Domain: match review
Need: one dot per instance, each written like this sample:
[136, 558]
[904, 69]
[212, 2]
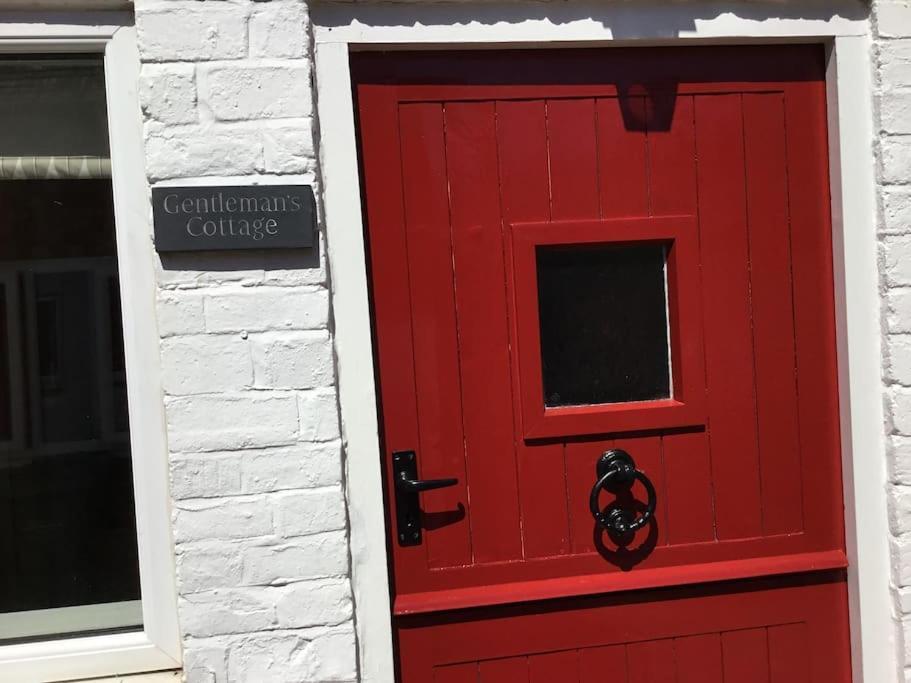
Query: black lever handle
[407, 485]
[407, 502]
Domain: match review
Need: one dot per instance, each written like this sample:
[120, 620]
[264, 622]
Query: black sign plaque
[237, 217]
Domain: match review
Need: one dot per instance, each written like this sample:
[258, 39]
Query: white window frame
[843, 28]
[157, 645]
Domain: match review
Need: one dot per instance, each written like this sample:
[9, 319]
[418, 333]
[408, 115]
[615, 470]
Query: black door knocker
[617, 469]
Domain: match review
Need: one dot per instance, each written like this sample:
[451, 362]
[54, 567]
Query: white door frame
[843, 27]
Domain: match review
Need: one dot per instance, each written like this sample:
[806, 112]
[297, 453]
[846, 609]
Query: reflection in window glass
[67, 520]
[603, 315]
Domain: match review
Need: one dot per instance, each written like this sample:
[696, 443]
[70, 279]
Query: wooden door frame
[844, 30]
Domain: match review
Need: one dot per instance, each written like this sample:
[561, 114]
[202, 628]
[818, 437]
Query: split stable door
[604, 325]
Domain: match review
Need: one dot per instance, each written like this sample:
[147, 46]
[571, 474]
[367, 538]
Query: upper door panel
[503, 201]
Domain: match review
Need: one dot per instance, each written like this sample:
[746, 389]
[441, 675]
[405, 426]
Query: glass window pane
[67, 519]
[603, 315]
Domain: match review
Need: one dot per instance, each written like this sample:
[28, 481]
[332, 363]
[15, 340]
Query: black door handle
[407, 503]
[407, 485]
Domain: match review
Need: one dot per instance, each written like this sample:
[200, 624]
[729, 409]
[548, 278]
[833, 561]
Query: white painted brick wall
[256, 459]
[892, 81]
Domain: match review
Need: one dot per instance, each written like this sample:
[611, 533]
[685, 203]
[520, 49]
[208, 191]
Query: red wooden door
[583, 250]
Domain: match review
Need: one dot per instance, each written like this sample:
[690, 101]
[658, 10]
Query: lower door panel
[790, 630]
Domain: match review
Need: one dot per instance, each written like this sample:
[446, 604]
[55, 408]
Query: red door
[603, 304]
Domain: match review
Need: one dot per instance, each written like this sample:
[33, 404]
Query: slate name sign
[244, 217]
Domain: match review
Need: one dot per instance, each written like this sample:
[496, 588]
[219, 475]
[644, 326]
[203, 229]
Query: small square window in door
[602, 313]
[608, 326]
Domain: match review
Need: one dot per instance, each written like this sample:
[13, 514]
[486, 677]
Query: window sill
[173, 676]
[81, 658]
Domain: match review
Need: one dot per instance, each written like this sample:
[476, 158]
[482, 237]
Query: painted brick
[228, 610]
[310, 557]
[895, 111]
[222, 421]
[896, 159]
[898, 309]
[896, 208]
[309, 512]
[279, 29]
[266, 657]
[304, 465]
[293, 360]
[205, 364]
[898, 359]
[901, 560]
[180, 313]
[266, 308]
[289, 149]
[205, 662]
[331, 656]
[900, 509]
[168, 92]
[206, 476]
[222, 519]
[893, 19]
[202, 150]
[314, 603]
[319, 415]
[208, 565]
[183, 30]
[894, 61]
[899, 456]
[897, 259]
[258, 510]
[240, 92]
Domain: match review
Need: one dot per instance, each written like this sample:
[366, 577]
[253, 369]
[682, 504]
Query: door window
[603, 322]
[601, 308]
[67, 519]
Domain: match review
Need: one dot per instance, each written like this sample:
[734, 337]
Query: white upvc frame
[843, 27]
[157, 645]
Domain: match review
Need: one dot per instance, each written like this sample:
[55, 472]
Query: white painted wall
[892, 81]
[248, 372]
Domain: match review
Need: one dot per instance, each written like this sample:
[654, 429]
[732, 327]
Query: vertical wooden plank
[502, 670]
[436, 354]
[598, 663]
[391, 297]
[814, 309]
[622, 159]
[746, 656]
[651, 662]
[554, 666]
[524, 196]
[456, 673]
[483, 329]
[788, 654]
[672, 164]
[698, 659]
[773, 312]
[688, 472]
[572, 150]
[574, 185]
[726, 311]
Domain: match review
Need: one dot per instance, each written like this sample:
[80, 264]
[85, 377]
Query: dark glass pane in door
[603, 316]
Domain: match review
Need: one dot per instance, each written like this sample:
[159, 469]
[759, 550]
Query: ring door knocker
[616, 468]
